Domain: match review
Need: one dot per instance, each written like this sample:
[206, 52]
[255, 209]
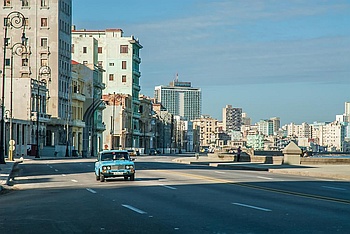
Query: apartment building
[42, 68]
[232, 118]
[180, 99]
[207, 127]
[119, 57]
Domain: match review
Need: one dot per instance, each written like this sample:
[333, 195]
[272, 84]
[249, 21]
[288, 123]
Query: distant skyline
[287, 59]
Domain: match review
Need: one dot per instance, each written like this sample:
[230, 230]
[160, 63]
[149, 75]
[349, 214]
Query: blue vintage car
[114, 163]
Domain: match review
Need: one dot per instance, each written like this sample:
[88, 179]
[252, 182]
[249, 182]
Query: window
[85, 62]
[123, 49]
[25, 62]
[43, 62]
[43, 22]
[7, 62]
[84, 50]
[123, 64]
[100, 63]
[99, 50]
[111, 64]
[43, 3]
[111, 77]
[7, 2]
[43, 42]
[25, 3]
[72, 49]
[123, 78]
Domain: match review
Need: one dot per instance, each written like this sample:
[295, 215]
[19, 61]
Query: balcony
[99, 85]
[44, 50]
[100, 127]
[102, 106]
[136, 73]
[78, 96]
[136, 58]
[78, 123]
[43, 117]
[25, 70]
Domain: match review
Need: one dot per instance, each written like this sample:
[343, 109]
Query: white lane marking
[166, 186]
[249, 206]
[220, 172]
[56, 170]
[336, 188]
[134, 209]
[63, 175]
[89, 165]
[75, 181]
[266, 178]
[91, 190]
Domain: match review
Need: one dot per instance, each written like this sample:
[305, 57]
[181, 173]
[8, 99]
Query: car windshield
[114, 156]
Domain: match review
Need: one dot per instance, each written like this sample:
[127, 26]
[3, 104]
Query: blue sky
[287, 59]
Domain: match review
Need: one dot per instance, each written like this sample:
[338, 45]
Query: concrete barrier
[325, 161]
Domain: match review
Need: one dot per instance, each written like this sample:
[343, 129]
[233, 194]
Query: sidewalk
[339, 172]
[6, 169]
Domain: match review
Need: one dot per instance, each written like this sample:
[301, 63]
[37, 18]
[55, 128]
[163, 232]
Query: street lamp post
[15, 20]
[18, 49]
[43, 79]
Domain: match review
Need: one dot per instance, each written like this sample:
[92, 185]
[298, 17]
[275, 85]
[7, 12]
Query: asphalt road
[62, 196]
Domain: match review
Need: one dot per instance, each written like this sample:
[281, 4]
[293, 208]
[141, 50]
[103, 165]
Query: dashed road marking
[75, 181]
[335, 188]
[249, 206]
[166, 186]
[91, 190]
[134, 209]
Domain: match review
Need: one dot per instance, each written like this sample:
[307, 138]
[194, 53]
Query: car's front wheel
[102, 177]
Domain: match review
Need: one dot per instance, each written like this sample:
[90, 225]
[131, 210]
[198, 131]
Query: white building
[333, 136]
[180, 98]
[119, 57]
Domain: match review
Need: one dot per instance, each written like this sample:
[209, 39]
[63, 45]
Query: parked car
[153, 152]
[133, 152]
[114, 163]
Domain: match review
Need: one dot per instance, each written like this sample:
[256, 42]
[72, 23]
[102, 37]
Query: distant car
[153, 152]
[133, 152]
[114, 163]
